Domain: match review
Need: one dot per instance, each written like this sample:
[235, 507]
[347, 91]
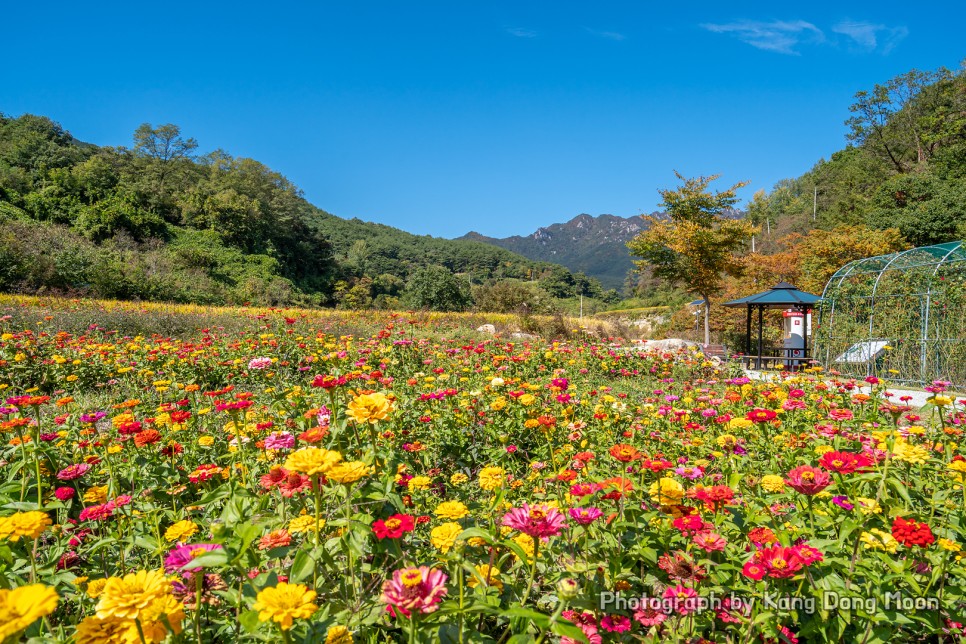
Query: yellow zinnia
[491, 574]
[284, 603]
[181, 531]
[451, 510]
[370, 408]
[443, 537]
[304, 523]
[348, 472]
[491, 478]
[772, 483]
[131, 597]
[21, 607]
[666, 491]
[338, 635]
[312, 460]
[27, 525]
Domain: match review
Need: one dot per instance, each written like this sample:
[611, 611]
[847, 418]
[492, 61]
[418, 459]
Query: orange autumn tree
[696, 245]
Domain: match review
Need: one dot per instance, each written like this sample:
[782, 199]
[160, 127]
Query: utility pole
[752, 243]
[581, 306]
[814, 202]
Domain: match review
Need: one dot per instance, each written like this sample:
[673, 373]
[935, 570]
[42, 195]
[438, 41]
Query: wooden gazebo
[781, 296]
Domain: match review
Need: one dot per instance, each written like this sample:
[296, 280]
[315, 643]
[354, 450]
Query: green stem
[533, 571]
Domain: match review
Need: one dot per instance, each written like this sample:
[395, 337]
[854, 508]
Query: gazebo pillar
[748, 334]
[761, 324]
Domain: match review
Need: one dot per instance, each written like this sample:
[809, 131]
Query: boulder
[670, 344]
[486, 328]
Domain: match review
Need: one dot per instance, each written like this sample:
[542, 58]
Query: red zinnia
[780, 562]
[912, 533]
[761, 415]
[715, 497]
[394, 527]
[844, 462]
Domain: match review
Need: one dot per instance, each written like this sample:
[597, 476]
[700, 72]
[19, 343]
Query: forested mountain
[900, 181]
[904, 166]
[596, 246]
[159, 221]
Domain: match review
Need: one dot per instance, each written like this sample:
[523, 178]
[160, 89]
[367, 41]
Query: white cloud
[609, 35]
[870, 37]
[779, 36]
[520, 32]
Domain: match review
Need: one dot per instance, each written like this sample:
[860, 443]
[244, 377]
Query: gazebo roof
[781, 295]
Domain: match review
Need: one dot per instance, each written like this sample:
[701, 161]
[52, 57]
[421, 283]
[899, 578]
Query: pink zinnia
[808, 480]
[649, 616]
[64, 493]
[97, 512]
[415, 589]
[584, 489]
[584, 516]
[180, 556]
[537, 521]
[279, 440]
[73, 472]
[710, 541]
[685, 599]
[841, 414]
[259, 363]
[616, 623]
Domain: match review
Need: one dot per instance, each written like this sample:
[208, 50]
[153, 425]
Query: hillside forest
[161, 221]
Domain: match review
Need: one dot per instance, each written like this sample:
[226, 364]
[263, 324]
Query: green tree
[695, 246]
[435, 288]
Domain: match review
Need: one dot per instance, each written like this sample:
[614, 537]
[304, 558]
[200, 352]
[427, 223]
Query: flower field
[280, 480]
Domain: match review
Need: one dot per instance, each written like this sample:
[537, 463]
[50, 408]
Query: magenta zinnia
[415, 589]
[537, 520]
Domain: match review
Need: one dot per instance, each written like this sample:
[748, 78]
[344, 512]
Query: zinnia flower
[132, 596]
[338, 634]
[181, 556]
[181, 531]
[73, 472]
[808, 480]
[279, 440]
[394, 527]
[666, 491]
[370, 408]
[24, 525]
[491, 478]
[22, 606]
[443, 537]
[451, 510]
[537, 521]
[912, 533]
[347, 473]
[844, 462]
[312, 460]
[780, 562]
[415, 589]
[284, 603]
[585, 516]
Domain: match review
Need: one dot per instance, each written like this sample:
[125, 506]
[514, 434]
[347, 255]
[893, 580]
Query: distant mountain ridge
[595, 246]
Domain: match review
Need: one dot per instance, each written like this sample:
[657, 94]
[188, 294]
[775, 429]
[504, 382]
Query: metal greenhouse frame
[900, 316]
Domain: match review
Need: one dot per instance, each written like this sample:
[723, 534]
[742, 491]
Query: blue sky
[495, 116]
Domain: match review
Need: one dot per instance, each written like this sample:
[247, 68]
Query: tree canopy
[695, 245]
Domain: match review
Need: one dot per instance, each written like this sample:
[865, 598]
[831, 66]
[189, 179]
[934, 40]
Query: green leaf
[211, 559]
[302, 567]
[249, 621]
